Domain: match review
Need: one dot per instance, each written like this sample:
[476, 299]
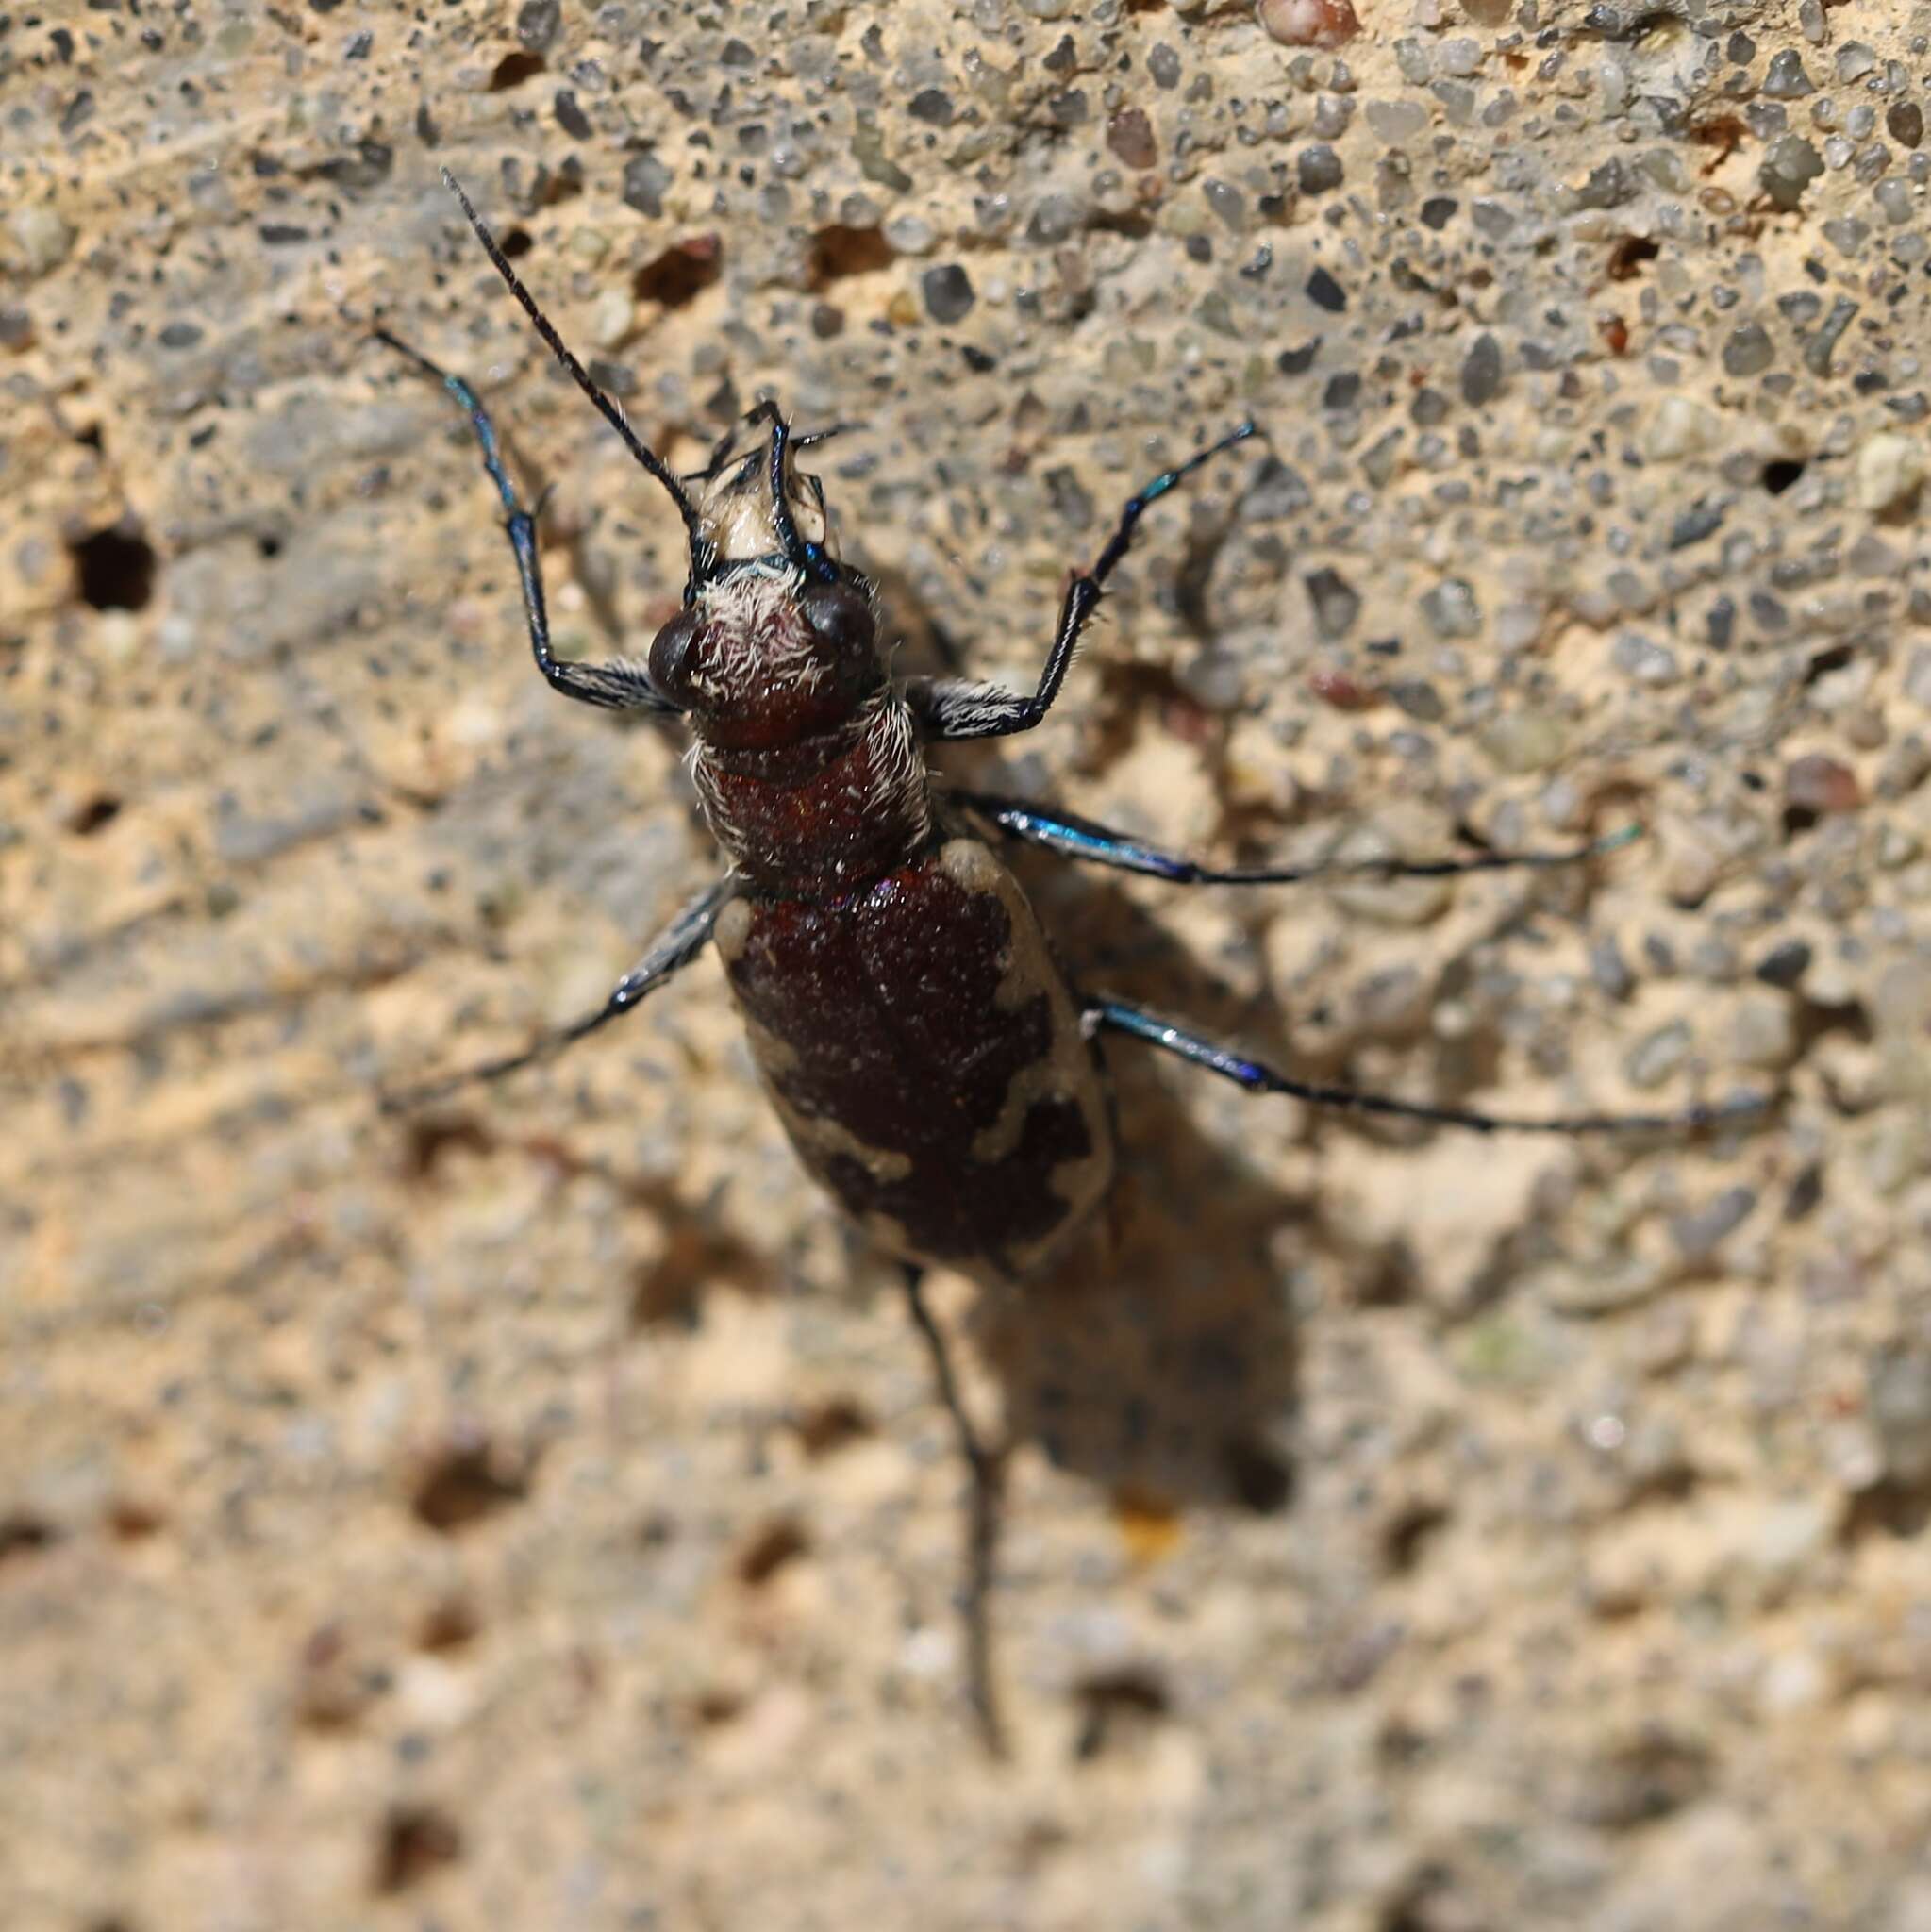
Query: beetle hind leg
[985, 1466]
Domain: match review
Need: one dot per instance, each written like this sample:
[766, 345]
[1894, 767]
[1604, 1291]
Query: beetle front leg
[681, 944]
[955, 708]
[617, 686]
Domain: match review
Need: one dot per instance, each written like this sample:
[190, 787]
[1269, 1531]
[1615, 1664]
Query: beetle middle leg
[1071, 837]
[952, 707]
[685, 938]
[1257, 1077]
[617, 686]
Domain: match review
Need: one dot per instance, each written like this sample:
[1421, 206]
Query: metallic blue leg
[1073, 837]
[950, 707]
[1257, 1077]
[617, 687]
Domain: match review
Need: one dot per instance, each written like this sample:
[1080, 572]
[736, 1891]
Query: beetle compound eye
[840, 615]
[674, 659]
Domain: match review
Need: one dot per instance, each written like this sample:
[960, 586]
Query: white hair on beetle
[898, 787]
[755, 627]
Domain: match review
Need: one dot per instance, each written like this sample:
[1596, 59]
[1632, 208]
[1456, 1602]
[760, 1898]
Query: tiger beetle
[935, 1069]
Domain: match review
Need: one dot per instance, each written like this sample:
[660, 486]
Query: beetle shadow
[1159, 1359]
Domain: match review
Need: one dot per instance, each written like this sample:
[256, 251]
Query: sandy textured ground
[537, 1515]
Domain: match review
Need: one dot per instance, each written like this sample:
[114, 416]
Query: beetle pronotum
[932, 1065]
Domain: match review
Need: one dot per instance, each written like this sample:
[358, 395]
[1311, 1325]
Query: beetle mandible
[931, 1064]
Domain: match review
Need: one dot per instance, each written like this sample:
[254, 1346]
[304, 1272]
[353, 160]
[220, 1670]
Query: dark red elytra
[915, 1036]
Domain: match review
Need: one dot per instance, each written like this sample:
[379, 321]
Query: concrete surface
[538, 1515]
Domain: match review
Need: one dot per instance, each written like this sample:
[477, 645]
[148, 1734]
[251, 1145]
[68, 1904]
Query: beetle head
[777, 640]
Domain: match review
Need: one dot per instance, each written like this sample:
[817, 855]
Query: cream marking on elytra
[820, 1138]
[732, 931]
[888, 1231]
[774, 1054]
[1065, 1073]
[1037, 1082]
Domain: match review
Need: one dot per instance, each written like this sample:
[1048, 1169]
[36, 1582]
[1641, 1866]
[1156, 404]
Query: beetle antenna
[615, 417]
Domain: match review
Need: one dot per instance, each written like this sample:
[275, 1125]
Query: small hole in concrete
[114, 567]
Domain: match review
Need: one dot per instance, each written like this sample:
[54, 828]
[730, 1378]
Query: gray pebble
[1898, 1402]
[646, 179]
[1395, 121]
[1452, 611]
[1420, 700]
[1819, 349]
[1481, 370]
[1694, 525]
[1698, 1232]
[1608, 968]
[1607, 185]
[1748, 350]
[536, 23]
[1319, 169]
[1905, 766]
[1337, 603]
[948, 292]
[1785, 964]
[1215, 679]
[1763, 1031]
[1227, 202]
[1057, 217]
[1658, 1056]
[1277, 492]
[1790, 167]
[1787, 80]
[1524, 739]
[1918, 677]
[1333, 116]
